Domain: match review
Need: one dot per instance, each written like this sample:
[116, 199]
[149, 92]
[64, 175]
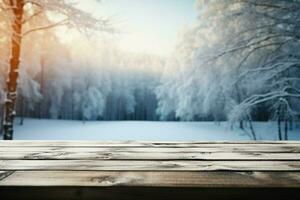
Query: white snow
[35, 129]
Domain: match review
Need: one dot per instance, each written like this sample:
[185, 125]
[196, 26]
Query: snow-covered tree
[239, 57]
[20, 12]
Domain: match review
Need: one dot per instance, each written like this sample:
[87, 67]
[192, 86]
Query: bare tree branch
[60, 23]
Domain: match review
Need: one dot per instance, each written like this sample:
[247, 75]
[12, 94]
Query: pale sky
[149, 26]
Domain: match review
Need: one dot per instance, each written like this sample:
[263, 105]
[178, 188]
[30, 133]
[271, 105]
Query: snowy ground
[35, 129]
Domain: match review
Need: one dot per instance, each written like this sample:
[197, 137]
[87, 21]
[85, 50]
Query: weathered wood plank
[151, 179]
[133, 165]
[63, 153]
[149, 170]
[218, 148]
[171, 144]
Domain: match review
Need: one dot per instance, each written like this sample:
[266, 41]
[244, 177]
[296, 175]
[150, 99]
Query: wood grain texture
[142, 164]
[151, 179]
[88, 153]
[149, 165]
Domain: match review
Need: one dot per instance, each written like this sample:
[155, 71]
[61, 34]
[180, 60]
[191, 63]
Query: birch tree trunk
[11, 85]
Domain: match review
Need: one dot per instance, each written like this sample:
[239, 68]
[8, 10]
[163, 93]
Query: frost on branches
[240, 62]
[18, 14]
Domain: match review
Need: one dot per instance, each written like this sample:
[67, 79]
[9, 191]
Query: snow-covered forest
[238, 62]
[70, 84]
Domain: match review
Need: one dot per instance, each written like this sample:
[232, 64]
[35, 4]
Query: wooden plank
[219, 148]
[133, 165]
[171, 144]
[151, 179]
[63, 153]
[149, 170]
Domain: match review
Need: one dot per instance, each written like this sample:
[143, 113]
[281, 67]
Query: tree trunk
[11, 90]
[22, 110]
[286, 129]
[279, 128]
[239, 99]
[241, 125]
[1, 121]
[251, 127]
[291, 125]
[72, 100]
[42, 85]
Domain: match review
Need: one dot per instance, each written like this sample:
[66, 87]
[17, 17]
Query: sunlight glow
[143, 25]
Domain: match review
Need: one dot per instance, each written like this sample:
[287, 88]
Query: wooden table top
[263, 164]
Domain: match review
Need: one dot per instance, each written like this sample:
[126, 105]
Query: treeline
[84, 84]
[127, 98]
